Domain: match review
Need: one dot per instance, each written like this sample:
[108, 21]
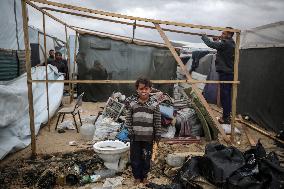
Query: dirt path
[52, 148]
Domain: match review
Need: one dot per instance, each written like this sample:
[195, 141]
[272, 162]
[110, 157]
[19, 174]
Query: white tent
[11, 30]
[270, 35]
[14, 107]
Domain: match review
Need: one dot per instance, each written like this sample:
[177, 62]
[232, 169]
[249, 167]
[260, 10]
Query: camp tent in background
[12, 54]
[101, 58]
[261, 92]
[12, 49]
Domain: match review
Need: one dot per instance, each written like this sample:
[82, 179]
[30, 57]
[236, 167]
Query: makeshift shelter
[261, 75]
[102, 58]
[118, 18]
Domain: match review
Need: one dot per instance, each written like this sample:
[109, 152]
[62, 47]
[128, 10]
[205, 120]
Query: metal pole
[235, 87]
[46, 74]
[29, 76]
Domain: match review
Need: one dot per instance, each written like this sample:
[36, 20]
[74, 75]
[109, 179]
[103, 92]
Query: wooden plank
[74, 65]
[122, 38]
[260, 130]
[205, 127]
[128, 81]
[235, 87]
[105, 13]
[250, 139]
[185, 154]
[29, 75]
[48, 14]
[46, 74]
[120, 22]
[67, 51]
[199, 95]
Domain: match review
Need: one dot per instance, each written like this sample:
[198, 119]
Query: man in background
[51, 56]
[60, 63]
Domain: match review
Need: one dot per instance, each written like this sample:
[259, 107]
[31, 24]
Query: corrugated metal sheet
[8, 65]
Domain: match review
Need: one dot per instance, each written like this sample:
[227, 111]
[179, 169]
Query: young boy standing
[143, 121]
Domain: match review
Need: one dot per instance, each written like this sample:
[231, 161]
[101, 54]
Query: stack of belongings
[187, 122]
[110, 122]
[167, 113]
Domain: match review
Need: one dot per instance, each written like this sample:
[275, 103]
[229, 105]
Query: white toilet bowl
[114, 153]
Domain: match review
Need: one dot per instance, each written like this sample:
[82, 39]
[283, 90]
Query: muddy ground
[56, 158]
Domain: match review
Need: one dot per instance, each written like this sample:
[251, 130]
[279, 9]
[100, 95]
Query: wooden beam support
[74, 65]
[250, 139]
[29, 75]
[235, 87]
[104, 13]
[46, 73]
[199, 95]
[48, 14]
[120, 22]
[127, 81]
[121, 38]
[67, 51]
[265, 133]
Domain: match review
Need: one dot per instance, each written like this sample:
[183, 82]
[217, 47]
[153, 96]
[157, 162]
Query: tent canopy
[270, 35]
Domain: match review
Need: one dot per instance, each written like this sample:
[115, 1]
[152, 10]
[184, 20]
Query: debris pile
[46, 171]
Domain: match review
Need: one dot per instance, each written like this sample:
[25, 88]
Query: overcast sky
[241, 14]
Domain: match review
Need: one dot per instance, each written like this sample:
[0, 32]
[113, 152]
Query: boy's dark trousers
[140, 157]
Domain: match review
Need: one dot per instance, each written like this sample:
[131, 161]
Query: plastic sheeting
[11, 30]
[261, 92]
[270, 35]
[104, 58]
[14, 109]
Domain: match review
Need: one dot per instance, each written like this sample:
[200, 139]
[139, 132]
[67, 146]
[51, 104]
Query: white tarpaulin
[270, 35]
[14, 109]
[11, 30]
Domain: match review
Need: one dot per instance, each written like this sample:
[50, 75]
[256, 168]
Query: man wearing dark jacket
[61, 64]
[225, 47]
